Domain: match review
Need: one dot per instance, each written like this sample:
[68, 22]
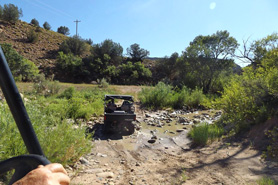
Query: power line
[77, 21]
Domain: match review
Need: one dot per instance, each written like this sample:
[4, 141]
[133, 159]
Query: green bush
[103, 83]
[246, 100]
[67, 93]
[134, 73]
[74, 45]
[266, 181]
[202, 133]
[46, 26]
[252, 97]
[39, 85]
[46, 87]
[21, 68]
[70, 64]
[181, 98]
[196, 98]
[162, 96]
[61, 143]
[11, 13]
[32, 36]
[35, 22]
[63, 30]
[79, 104]
[156, 97]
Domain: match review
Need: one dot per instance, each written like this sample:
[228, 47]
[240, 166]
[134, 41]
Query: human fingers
[56, 167]
[61, 178]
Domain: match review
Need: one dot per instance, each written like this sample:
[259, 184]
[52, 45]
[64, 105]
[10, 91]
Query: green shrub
[162, 96]
[74, 45]
[67, 93]
[156, 97]
[196, 98]
[61, 143]
[46, 87]
[70, 64]
[35, 22]
[46, 26]
[32, 36]
[181, 98]
[21, 68]
[79, 104]
[39, 85]
[202, 133]
[63, 30]
[266, 181]
[65, 144]
[246, 100]
[11, 13]
[103, 83]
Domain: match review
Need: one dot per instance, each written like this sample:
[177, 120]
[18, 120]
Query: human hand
[51, 174]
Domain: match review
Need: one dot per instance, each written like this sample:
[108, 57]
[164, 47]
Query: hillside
[42, 52]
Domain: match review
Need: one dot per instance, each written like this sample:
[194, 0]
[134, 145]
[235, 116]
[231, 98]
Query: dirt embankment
[169, 160]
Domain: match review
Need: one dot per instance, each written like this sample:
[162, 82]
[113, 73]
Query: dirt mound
[258, 136]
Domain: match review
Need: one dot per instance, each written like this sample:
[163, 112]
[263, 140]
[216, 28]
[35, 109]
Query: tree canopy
[10, 13]
[35, 22]
[216, 46]
[136, 53]
[46, 26]
[63, 30]
[112, 49]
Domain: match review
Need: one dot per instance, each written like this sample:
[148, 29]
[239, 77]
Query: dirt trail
[169, 160]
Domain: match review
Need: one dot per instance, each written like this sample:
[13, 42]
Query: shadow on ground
[99, 133]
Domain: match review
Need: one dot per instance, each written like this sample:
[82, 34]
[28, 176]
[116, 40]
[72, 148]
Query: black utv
[119, 114]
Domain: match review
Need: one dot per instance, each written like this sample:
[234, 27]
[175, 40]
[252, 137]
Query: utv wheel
[128, 128]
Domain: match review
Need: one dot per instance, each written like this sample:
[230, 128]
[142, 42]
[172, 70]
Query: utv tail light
[104, 118]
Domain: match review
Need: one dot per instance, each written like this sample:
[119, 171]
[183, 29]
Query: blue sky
[160, 26]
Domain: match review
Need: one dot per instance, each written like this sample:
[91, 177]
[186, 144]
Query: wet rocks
[167, 118]
[151, 141]
[179, 130]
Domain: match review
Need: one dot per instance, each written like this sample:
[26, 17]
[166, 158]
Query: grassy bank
[56, 119]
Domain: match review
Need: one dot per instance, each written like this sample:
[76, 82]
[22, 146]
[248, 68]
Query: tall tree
[255, 52]
[11, 13]
[112, 49]
[208, 56]
[136, 53]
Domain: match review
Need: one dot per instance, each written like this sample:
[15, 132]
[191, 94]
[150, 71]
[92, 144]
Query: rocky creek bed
[159, 153]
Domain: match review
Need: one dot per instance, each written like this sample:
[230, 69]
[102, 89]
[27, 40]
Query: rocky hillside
[42, 53]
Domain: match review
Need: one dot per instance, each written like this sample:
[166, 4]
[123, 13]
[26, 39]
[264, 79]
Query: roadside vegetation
[204, 133]
[166, 96]
[58, 119]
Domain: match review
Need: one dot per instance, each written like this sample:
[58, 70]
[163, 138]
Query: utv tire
[128, 128]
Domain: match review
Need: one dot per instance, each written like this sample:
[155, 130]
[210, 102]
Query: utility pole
[77, 21]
